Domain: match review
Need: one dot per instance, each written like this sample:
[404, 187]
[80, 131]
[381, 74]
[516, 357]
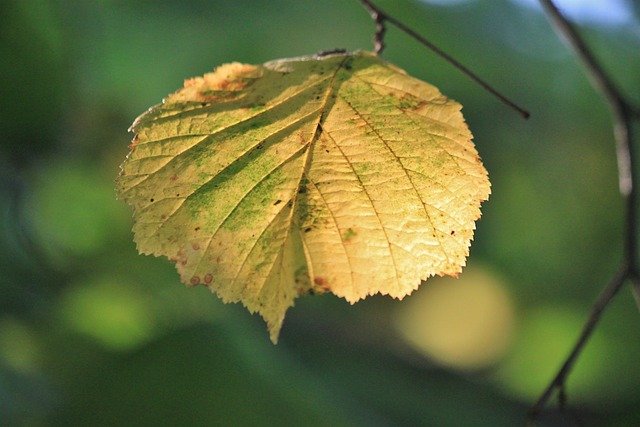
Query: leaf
[337, 173]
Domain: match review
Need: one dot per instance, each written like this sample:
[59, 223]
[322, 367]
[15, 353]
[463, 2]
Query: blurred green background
[91, 333]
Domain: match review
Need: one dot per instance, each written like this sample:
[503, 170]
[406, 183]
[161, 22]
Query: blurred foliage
[91, 333]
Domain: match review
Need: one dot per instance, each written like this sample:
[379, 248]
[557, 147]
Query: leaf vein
[399, 161]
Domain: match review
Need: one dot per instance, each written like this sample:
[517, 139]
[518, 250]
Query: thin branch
[636, 290]
[622, 115]
[380, 17]
[621, 109]
[558, 381]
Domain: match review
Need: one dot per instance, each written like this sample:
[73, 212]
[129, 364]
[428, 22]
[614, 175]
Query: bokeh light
[116, 314]
[19, 348]
[72, 209]
[465, 323]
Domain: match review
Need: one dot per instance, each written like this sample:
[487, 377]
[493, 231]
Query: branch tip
[380, 18]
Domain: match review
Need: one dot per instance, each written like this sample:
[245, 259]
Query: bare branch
[558, 381]
[380, 17]
[622, 114]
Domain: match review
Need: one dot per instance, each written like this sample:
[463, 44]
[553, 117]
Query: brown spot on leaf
[321, 284]
[224, 83]
[174, 177]
[195, 246]
[195, 280]
[408, 101]
[180, 257]
[134, 142]
[208, 278]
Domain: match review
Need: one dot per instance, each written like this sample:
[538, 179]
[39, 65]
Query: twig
[622, 114]
[380, 17]
[558, 381]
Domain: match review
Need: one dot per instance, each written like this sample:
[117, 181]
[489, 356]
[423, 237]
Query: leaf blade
[338, 174]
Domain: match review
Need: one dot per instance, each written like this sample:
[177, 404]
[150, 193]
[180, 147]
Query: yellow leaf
[339, 173]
